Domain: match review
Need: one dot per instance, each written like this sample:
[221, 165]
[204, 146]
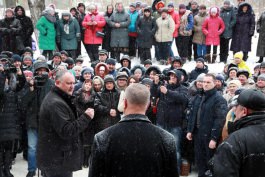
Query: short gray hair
[60, 74]
[137, 94]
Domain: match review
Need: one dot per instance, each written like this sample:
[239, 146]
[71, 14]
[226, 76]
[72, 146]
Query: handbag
[100, 34]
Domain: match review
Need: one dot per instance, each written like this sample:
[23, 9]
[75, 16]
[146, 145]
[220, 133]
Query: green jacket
[47, 34]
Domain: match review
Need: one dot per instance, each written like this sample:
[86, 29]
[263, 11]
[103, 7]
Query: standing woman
[107, 29]
[93, 24]
[261, 42]
[244, 30]
[47, 34]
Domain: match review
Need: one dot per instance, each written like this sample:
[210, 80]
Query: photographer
[37, 89]
[11, 81]
[172, 102]
[10, 28]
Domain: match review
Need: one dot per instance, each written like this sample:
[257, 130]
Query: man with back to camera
[243, 152]
[59, 144]
[134, 147]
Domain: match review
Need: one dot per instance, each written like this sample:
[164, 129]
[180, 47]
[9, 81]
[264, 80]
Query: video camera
[40, 80]
[9, 68]
[163, 79]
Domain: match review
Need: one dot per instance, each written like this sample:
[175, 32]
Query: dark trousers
[132, 46]
[72, 53]
[6, 154]
[202, 152]
[192, 46]
[164, 50]
[78, 51]
[58, 173]
[92, 51]
[48, 54]
[209, 47]
[182, 43]
[144, 54]
[224, 49]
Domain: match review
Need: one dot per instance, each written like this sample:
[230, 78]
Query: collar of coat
[65, 96]
[135, 117]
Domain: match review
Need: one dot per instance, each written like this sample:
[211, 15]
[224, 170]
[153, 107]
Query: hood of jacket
[23, 11]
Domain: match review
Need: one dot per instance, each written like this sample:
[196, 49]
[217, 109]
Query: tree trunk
[36, 7]
[10, 3]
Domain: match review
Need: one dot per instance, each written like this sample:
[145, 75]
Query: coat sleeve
[226, 161]
[111, 21]
[77, 28]
[154, 26]
[16, 29]
[177, 22]
[101, 22]
[64, 125]
[205, 27]
[96, 161]
[220, 112]
[30, 28]
[259, 23]
[190, 22]
[171, 25]
[41, 26]
[84, 23]
[180, 96]
[126, 23]
[233, 19]
[196, 27]
[222, 26]
[252, 25]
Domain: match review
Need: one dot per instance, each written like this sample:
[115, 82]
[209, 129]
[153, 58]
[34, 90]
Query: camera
[163, 78]
[9, 68]
[40, 80]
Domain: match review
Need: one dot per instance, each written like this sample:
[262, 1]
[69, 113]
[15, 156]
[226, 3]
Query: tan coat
[198, 37]
[165, 29]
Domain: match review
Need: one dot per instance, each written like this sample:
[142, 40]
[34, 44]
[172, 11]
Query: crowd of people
[49, 101]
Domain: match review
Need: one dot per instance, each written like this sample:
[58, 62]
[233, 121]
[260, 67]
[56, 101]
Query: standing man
[59, 144]
[141, 150]
[206, 121]
[242, 153]
[132, 29]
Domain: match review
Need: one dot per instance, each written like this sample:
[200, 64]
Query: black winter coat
[27, 27]
[171, 106]
[212, 115]
[109, 100]
[244, 30]
[10, 29]
[229, 19]
[196, 72]
[261, 31]
[133, 148]
[146, 28]
[32, 101]
[59, 144]
[10, 120]
[107, 31]
[242, 153]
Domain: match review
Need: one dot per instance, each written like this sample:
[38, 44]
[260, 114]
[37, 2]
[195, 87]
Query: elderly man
[134, 147]
[59, 145]
[243, 152]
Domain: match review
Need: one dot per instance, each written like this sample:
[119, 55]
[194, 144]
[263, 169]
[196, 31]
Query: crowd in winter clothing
[196, 108]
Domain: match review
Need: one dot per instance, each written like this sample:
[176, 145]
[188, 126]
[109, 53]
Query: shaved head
[137, 94]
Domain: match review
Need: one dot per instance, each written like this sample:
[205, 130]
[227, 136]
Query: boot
[184, 60]
[260, 60]
[1, 165]
[7, 164]
[214, 58]
[208, 58]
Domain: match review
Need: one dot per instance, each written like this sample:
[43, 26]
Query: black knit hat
[64, 52]
[57, 54]
[16, 57]
[242, 72]
[111, 61]
[148, 62]
[200, 59]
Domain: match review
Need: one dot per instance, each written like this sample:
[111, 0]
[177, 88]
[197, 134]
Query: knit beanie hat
[16, 57]
[214, 10]
[138, 70]
[200, 77]
[170, 4]
[235, 82]
[239, 55]
[261, 77]
[200, 59]
[182, 6]
[109, 78]
[227, 2]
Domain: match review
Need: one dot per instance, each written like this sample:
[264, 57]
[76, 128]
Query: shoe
[31, 174]
[208, 58]
[7, 173]
[214, 58]
[2, 172]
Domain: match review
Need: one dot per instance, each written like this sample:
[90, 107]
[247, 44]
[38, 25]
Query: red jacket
[213, 27]
[175, 17]
[90, 31]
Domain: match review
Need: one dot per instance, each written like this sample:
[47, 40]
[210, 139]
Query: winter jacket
[244, 29]
[10, 120]
[196, 72]
[107, 31]
[242, 153]
[119, 36]
[32, 101]
[68, 33]
[171, 106]
[27, 27]
[47, 34]
[59, 144]
[186, 23]
[10, 29]
[133, 18]
[229, 18]
[199, 37]
[261, 31]
[151, 150]
[175, 16]
[109, 100]
[165, 29]
[212, 28]
[91, 30]
[146, 28]
[213, 110]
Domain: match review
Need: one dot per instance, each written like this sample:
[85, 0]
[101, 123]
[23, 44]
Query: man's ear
[125, 103]
[57, 82]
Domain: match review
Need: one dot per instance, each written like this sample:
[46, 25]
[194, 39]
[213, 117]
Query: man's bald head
[138, 95]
